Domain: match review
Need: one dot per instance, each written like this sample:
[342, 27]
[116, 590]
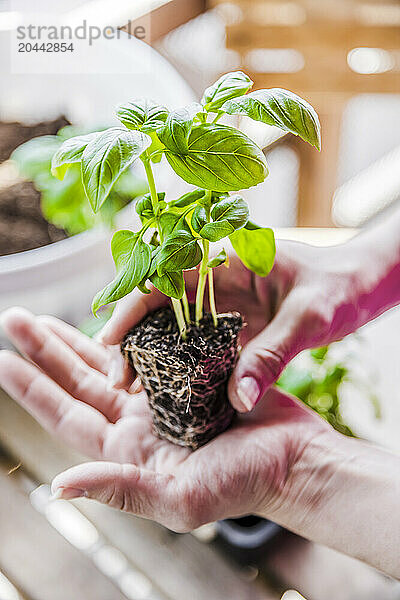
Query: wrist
[343, 493]
[305, 492]
[375, 254]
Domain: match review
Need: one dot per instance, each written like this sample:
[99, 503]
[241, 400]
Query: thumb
[264, 358]
[123, 486]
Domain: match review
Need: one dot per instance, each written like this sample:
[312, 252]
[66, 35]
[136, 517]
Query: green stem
[201, 286]
[203, 271]
[152, 185]
[146, 227]
[213, 308]
[186, 309]
[176, 304]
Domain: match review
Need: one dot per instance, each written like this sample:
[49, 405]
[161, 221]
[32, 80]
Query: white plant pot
[62, 278]
[58, 279]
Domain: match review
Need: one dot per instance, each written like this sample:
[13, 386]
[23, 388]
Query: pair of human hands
[257, 466]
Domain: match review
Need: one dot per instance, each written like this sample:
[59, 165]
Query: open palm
[65, 387]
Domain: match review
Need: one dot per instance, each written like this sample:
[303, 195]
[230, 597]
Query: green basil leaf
[179, 251]
[221, 259]
[174, 135]
[282, 109]
[199, 218]
[252, 226]
[168, 222]
[70, 152]
[187, 199]
[141, 286]
[154, 240]
[230, 85]
[142, 114]
[132, 259]
[255, 248]
[233, 209]
[217, 196]
[106, 157]
[144, 206]
[218, 158]
[170, 284]
[156, 149]
[228, 214]
[216, 231]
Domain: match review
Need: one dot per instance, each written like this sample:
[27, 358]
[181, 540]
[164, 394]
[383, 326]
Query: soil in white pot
[22, 225]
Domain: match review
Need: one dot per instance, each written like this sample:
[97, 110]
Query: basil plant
[217, 159]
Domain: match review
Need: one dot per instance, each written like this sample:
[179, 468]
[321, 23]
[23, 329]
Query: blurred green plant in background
[64, 203]
[318, 385]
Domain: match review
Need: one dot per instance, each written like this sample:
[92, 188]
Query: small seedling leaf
[142, 115]
[174, 135]
[70, 152]
[252, 226]
[179, 251]
[220, 259]
[168, 222]
[132, 259]
[170, 284]
[230, 85]
[106, 157]
[216, 231]
[199, 218]
[229, 214]
[282, 109]
[187, 199]
[255, 248]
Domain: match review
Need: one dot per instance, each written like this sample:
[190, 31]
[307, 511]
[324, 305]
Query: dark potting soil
[14, 134]
[22, 225]
[186, 381]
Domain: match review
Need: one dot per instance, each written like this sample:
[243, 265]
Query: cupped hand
[308, 300]
[254, 467]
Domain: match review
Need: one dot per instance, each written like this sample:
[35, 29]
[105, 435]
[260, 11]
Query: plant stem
[213, 308]
[177, 306]
[152, 185]
[203, 271]
[186, 309]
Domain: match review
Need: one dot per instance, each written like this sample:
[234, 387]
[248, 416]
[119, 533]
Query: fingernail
[136, 386]
[68, 494]
[248, 391]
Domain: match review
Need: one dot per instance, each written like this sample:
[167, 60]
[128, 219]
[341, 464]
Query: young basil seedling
[218, 159]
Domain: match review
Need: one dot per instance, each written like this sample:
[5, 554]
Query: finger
[93, 353]
[121, 375]
[108, 361]
[61, 363]
[125, 487]
[72, 421]
[128, 312]
[263, 359]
